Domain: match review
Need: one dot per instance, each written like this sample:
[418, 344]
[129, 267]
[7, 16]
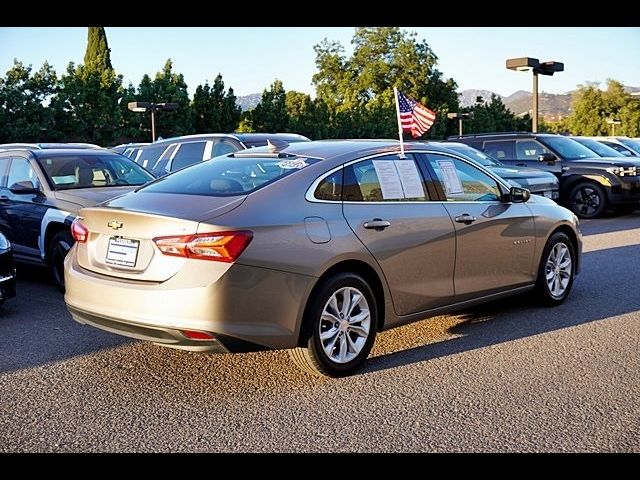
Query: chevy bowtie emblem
[115, 224]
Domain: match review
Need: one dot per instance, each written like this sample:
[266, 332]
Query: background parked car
[7, 270]
[173, 154]
[589, 184]
[41, 191]
[535, 180]
[313, 248]
[45, 146]
[599, 148]
[627, 146]
[126, 148]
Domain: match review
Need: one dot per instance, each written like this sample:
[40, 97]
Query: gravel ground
[507, 376]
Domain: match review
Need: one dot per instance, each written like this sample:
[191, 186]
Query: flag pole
[395, 94]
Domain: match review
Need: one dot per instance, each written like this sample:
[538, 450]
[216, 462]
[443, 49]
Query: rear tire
[341, 323]
[587, 200]
[59, 246]
[556, 271]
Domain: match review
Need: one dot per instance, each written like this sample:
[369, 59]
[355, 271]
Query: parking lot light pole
[460, 117]
[153, 108]
[613, 122]
[523, 64]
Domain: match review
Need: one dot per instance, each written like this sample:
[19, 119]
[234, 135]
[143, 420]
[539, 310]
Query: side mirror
[24, 187]
[547, 157]
[519, 195]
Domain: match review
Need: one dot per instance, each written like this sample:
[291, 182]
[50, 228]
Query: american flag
[414, 117]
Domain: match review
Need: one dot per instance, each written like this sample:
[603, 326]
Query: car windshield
[600, 148]
[632, 144]
[475, 154]
[567, 149]
[92, 171]
[225, 176]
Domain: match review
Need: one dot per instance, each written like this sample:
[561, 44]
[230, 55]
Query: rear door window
[383, 179]
[500, 150]
[529, 150]
[188, 154]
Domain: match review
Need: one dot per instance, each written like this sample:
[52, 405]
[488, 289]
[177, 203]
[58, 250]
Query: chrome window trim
[309, 195]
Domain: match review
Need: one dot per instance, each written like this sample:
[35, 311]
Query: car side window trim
[309, 195]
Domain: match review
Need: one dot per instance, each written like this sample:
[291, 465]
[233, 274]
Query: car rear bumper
[247, 308]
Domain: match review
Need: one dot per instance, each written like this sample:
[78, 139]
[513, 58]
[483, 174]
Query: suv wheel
[587, 200]
[60, 245]
[342, 318]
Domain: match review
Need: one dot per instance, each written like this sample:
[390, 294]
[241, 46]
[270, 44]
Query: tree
[131, 125]
[270, 115]
[24, 113]
[592, 108]
[97, 56]
[86, 106]
[358, 90]
[590, 111]
[307, 117]
[494, 116]
[167, 86]
[213, 109]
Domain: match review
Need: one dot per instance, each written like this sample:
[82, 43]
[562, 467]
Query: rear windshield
[91, 171]
[224, 176]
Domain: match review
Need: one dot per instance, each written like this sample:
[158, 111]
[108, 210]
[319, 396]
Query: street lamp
[613, 122]
[460, 117]
[545, 68]
[153, 108]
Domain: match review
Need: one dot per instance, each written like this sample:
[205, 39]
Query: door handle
[377, 224]
[521, 164]
[466, 219]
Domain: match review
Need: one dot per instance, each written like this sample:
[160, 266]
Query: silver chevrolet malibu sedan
[313, 247]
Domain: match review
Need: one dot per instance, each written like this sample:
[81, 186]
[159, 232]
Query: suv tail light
[79, 232]
[216, 246]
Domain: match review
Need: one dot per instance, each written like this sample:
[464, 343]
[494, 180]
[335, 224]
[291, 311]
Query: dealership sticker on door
[122, 252]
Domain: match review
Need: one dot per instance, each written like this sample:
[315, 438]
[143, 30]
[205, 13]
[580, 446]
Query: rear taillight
[217, 246]
[79, 232]
[194, 335]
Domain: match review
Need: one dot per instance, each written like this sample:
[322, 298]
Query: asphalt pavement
[507, 376]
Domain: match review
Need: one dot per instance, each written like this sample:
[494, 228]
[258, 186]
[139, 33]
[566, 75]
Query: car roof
[64, 152]
[242, 137]
[42, 146]
[330, 149]
[258, 137]
[506, 135]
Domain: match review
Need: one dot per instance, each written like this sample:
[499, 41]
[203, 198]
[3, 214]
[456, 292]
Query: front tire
[587, 200]
[60, 245]
[341, 323]
[557, 270]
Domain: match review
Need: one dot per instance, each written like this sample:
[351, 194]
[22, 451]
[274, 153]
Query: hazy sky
[250, 58]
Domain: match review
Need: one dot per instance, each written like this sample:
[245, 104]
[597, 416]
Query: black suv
[588, 183]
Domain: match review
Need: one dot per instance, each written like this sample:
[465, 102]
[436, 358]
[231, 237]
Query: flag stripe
[414, 117]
